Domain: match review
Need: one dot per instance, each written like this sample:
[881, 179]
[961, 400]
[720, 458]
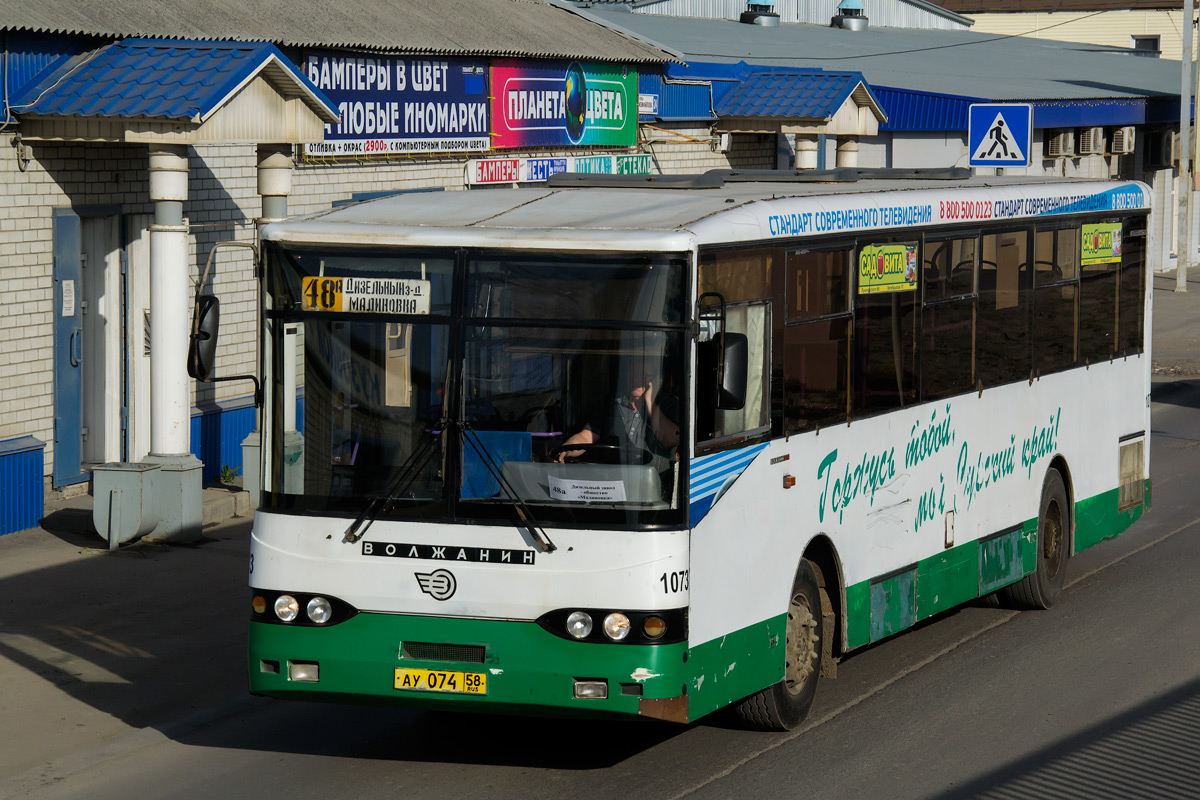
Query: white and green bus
[656, 446]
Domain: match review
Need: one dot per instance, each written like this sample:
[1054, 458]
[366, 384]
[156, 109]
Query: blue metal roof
[166, 79]
[909, 110]
[706, 90]
[677, 102]
[804, 95]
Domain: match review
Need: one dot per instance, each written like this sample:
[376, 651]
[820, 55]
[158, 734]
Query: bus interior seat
[501, 447]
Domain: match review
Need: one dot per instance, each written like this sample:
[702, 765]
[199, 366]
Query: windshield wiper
[408, 470]
[528, 522]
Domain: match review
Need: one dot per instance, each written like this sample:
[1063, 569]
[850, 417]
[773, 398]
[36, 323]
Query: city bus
[652, 447]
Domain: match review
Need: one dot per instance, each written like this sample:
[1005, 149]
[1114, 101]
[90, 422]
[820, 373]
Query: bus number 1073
[674, 581]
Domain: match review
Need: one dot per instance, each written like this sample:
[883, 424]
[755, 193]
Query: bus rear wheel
[784, 705]
[1042, 587]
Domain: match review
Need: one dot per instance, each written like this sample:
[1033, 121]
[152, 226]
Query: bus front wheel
[784, 705]
[1041, 588]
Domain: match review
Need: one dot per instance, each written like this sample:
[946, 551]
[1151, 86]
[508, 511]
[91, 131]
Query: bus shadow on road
[1185, 393]
[1150, 751]
[446, 739]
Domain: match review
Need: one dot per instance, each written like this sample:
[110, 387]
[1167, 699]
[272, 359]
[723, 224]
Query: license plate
[436, 680]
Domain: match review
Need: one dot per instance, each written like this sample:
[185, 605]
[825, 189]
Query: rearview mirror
[722, 364]
[202, 349]
[731, 373]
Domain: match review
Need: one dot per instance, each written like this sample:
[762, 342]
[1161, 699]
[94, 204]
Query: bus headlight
[616, 626]
[286, 607]
[319, 610]
[654, 627]
[579, 624]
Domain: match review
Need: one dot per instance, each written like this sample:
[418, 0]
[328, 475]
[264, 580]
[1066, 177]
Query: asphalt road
[1096, 698]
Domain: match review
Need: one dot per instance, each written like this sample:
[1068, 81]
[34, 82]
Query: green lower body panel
[1099, 518]
[734, 666]
[527, 669]
[881, 606]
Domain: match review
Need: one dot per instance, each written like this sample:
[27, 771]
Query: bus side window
[884, 361]
[744, 279]
[1131, 311]
[948, 318]
[1056, 278]
[816, 339]
[1097, 311]
[1002, 327]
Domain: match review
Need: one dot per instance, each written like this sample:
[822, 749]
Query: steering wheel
[602, 454]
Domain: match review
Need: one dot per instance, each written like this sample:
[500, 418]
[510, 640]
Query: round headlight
[286, 607]
[616, 626]
[654, 627]
[579, 624]
[319, 610]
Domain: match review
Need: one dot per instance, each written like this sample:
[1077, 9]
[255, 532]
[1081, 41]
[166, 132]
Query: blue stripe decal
[1122, 198]
[711, 475]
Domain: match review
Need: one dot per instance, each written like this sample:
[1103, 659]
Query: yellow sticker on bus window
[887, 268]
[321, 294]
[1101, 243]
[366, 295]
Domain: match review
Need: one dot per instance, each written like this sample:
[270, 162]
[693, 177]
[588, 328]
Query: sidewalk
[98, 646]
[102, 651]
[1175, 350]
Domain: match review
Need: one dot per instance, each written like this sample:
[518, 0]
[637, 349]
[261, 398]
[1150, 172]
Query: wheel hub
[802, 640]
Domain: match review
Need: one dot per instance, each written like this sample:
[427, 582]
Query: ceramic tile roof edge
[320, 104]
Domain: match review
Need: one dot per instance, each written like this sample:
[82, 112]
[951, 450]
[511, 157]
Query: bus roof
[649, 218]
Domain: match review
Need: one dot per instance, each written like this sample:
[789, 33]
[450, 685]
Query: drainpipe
[179, 478]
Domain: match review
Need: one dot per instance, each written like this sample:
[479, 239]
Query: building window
[1146, 46]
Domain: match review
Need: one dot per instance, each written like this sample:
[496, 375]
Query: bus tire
[1041, 588]
[784, 705]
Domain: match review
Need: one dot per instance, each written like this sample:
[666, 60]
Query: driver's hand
[563, 454]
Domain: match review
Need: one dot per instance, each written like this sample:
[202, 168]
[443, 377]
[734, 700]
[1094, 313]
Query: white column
[177, 481]
[170, 405]
[274, 179]
[806, 151]
[847, 151]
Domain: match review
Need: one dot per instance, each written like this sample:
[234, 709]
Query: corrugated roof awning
[156, 90]
[753, 98]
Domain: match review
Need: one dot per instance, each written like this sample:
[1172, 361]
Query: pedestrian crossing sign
[999, 134]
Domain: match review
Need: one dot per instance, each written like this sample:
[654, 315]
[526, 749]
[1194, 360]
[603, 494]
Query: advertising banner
[562, 103]
[393, 104]
[481, 171]
[1101, 243]
[887, 268]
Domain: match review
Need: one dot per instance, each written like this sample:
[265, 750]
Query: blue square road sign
[999, 134]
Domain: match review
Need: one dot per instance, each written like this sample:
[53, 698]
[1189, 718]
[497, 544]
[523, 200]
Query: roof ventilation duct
[761, 12]
[850, 16]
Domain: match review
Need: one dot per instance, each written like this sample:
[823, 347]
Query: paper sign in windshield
[887, 268]
[1101, 243]
[366, 295]
[575, 491]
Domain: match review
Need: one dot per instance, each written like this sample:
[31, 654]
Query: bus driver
[640, 420]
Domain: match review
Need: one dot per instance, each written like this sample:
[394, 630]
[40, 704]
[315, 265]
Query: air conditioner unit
[1122, 141]
[1060, 143]
[1160, 149]
[1091, 141]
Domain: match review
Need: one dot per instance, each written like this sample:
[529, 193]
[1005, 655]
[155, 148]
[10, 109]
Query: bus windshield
[458, 385]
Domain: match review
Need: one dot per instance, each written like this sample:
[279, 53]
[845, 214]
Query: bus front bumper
[506, 666]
